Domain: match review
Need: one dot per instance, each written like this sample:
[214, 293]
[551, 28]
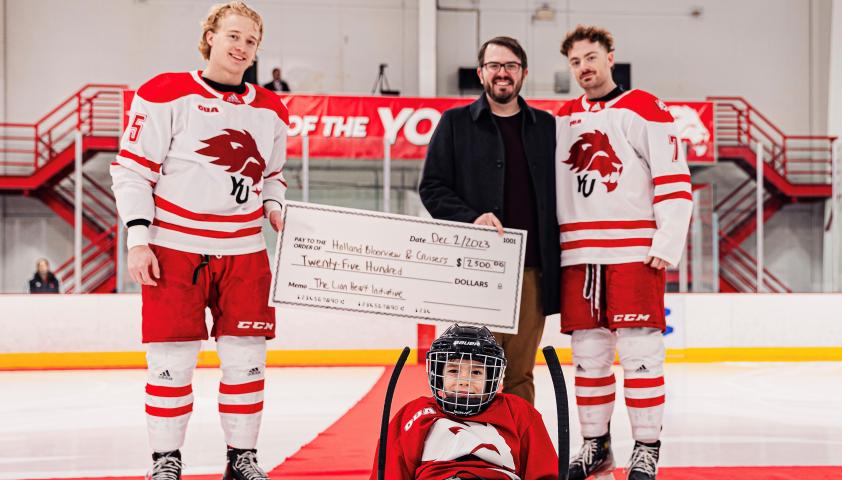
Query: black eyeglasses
[494, 67]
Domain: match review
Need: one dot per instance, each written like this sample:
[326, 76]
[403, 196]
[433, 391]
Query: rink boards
[103, 331]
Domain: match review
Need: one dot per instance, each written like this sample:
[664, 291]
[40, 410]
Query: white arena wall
[103, 331]
[774, 52]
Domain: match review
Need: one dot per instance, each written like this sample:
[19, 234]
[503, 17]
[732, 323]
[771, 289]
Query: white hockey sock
[593, 354]
[642, 354]
[243, 362]
[169, 392]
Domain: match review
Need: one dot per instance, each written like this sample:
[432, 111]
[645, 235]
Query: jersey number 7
[675, 143]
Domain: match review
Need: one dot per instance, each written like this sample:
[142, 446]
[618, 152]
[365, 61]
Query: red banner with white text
[358, 127]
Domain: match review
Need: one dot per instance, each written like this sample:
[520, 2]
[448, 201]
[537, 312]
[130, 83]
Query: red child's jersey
[507, 441]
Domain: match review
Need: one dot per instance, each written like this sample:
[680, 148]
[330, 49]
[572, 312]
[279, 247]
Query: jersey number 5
[134, 129]
[675, 144]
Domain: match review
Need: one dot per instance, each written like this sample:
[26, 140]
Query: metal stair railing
[740, 268]
[98, 203]
[98, 263]
[738, 265]
[735, 206]
[800, 159]
[739, 206]
[94, 109]
[98, 207]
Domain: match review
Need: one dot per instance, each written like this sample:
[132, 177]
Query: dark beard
[489, 90]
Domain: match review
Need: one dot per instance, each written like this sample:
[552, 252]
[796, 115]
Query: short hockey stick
[561, 411]
[387, 406]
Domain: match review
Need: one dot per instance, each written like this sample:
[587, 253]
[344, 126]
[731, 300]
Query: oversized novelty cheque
[416, 269]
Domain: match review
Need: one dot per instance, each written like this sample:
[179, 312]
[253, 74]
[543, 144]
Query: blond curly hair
[216, 13]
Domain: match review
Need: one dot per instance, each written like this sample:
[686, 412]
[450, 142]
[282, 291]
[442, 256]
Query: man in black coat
[492, 163]
[277, 84]
[43, 281]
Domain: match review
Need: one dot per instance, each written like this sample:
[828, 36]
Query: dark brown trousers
[522, 348]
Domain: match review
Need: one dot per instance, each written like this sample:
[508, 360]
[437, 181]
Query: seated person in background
[43, 281]
[468, 429]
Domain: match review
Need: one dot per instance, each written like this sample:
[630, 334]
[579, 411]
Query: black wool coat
[464, 174]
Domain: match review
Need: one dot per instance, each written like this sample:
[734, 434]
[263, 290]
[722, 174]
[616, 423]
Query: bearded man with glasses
[492, 163]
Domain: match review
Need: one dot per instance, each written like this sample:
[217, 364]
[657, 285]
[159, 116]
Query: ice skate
[166, 466]
[644, 461]
[242, 465]
[594, 460]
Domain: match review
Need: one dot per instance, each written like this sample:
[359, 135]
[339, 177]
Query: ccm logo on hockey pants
[256, 325]
[631, 317]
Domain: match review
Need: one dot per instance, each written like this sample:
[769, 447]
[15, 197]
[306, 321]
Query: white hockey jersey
[623, 186]
[199, 164]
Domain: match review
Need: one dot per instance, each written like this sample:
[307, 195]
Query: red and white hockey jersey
[198, 164]
[623, 186]
[507, 441]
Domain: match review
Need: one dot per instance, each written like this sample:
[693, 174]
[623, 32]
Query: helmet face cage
[464, 383]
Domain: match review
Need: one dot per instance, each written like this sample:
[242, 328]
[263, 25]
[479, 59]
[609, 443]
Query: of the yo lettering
[408, 119]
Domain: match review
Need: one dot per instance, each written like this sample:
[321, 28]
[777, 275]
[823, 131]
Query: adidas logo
[642, 368]
[254, 371]
[165, 375]
[579, 368]
[233, 99]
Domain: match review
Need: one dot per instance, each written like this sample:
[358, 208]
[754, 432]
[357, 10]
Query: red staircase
[38, 160]
[796, 168]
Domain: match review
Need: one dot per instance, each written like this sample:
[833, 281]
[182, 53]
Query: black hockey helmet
[460, 361]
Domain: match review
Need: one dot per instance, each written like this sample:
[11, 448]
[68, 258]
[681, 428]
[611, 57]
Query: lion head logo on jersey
[592, 152]
[237, 152]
